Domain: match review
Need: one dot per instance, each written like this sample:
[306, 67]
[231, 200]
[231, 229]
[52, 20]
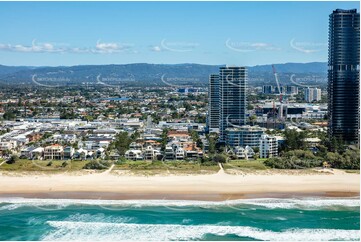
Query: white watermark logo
[244, 47]
[178, 46]
[171, 81]
[299, 84]
[51, 82]
[108, 81]
[307, 47]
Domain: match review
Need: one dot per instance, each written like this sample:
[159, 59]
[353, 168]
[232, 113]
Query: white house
[244, 153]
[133, 155]
[150, 153]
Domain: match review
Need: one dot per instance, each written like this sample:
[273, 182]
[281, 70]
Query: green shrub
[220, 158]
[97, 165]
[292, 163]
[12, 159]
[348, 160]
[121, 161]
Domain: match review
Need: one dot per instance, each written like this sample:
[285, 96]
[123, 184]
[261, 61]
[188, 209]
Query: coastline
[213, 187]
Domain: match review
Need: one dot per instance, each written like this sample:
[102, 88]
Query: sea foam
[269, 203]
[85, 231]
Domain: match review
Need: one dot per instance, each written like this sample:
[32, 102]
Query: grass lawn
[245, 164]
[43, 165]
[164, 166]
[136, 166]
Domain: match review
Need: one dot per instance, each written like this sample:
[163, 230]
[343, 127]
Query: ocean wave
[98, 217]
[269, 203]
[94, 231]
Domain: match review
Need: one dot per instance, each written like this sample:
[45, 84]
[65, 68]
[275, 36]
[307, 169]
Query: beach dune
[218, 186]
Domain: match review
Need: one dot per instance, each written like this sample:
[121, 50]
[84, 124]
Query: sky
[232, 33]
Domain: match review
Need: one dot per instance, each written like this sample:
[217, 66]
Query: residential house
[54, 152]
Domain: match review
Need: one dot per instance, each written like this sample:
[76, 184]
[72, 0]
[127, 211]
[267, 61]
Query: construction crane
[280, 111]
[277, 82]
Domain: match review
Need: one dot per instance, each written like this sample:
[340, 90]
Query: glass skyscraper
[233, 98]
[344, 75]
[213, 106]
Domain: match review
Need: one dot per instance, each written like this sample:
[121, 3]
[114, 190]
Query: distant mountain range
[143, 72]
[296, 68]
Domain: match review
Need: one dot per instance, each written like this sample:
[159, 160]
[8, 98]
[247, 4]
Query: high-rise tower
[213, 103]
[233, 98]
[344, 75]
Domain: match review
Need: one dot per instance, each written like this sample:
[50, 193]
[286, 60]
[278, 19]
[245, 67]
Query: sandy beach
[219, 186]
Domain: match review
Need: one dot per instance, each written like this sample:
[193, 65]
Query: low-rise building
[134, 155]
[150, 153]
[245, 135]
[169, 153]
[312, 142]
[54, 152]
[37, 154]
[5, 146]
[69, 153]
[179, 153]
[243, 153]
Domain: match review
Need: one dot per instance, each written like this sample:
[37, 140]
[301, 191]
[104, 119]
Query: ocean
[249, 219]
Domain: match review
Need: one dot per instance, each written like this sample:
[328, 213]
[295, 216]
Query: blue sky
[234, 33]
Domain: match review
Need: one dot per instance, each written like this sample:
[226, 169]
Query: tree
[9, 115]
[195, 138]
[335, 144]
[220, 158]
[134, 136]
[252, 119]
[164, 137]
[294, 140]
[250, 107]
[187, 106]
[211, 145]
[349, 160]
[122, 142]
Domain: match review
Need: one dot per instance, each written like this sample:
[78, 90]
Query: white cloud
[34, 47]
[109, 48]
[100, 48]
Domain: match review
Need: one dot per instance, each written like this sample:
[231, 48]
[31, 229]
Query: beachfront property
[344, 75]
[245, 135]
[134, 155]
[213, 103]
[268, 146]
[180, 146]
[137, 152]
[233, 99]
[54, 152]
[242, 153]
[68, 153]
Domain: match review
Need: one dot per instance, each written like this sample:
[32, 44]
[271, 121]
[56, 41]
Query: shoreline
[213, 187]
[176, 197]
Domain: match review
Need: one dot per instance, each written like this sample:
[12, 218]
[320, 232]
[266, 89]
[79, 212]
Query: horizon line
[189, 63]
